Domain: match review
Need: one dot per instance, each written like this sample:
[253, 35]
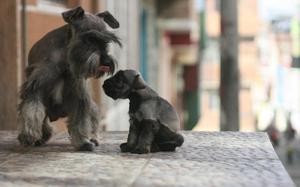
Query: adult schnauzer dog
[153, 121]
[56, 86]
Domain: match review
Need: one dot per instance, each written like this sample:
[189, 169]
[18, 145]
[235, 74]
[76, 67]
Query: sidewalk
[292, 169]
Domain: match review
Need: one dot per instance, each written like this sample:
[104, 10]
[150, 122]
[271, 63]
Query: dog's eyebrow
[103, 36]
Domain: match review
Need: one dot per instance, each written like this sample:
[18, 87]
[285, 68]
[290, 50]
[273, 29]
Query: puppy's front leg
[132, 137]
[146, 137]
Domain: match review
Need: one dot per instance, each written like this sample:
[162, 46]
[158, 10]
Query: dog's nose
[107, 60]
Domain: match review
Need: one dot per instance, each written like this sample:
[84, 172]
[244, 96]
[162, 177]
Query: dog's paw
[43, 140]
[86, 147]
[26, 139]
[95, 142]
[142, 150]
[39, 143]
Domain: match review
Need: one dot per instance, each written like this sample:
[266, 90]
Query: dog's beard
[93, 65]
[97, 65]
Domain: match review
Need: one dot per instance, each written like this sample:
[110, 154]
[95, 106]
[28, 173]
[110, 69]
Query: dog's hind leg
[46, 133]
[31, 116]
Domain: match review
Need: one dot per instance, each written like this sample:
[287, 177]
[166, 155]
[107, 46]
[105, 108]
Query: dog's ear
[73, 14]
[109, 19]
[139, 83]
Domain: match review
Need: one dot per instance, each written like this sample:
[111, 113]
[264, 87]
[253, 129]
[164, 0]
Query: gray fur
[153, 121]
[56, 85]
[57, 93]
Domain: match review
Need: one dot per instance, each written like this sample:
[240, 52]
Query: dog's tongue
[104, 68]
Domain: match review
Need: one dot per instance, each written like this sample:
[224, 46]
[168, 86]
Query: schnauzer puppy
[56, 86]
[153, 121]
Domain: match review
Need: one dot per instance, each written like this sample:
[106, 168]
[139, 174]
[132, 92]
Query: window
[54, 2]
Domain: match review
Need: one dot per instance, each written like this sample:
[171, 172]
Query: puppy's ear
[109, 19]
[139, 83]
[73, 14]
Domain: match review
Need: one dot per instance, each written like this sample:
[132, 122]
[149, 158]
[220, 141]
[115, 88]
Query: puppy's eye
[119, 79]
[119, 84]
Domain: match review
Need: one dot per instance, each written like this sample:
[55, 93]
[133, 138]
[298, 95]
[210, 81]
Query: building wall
[10, 60]
[249, 25]
[248, 17]
[39, 23]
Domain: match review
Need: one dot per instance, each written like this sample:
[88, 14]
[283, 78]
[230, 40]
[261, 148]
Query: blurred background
[224, 65]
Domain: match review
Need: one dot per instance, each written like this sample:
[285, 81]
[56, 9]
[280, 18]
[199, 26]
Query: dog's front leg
[146, 137]
[132, 137]
[46, 133]
[79, 126]
[94, 117]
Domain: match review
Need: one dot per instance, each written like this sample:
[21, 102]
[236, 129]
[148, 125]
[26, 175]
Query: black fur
[153, 121]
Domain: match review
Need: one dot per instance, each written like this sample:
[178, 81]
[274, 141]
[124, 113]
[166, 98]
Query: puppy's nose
[106, 84]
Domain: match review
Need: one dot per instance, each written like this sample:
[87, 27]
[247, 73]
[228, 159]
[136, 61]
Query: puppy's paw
[154, 148]
[125, 148]
[142, 150]
[26, 139]
[86, 147]
[95, 142]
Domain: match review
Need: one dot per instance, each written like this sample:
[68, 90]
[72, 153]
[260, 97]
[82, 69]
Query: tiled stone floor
[206, 159]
